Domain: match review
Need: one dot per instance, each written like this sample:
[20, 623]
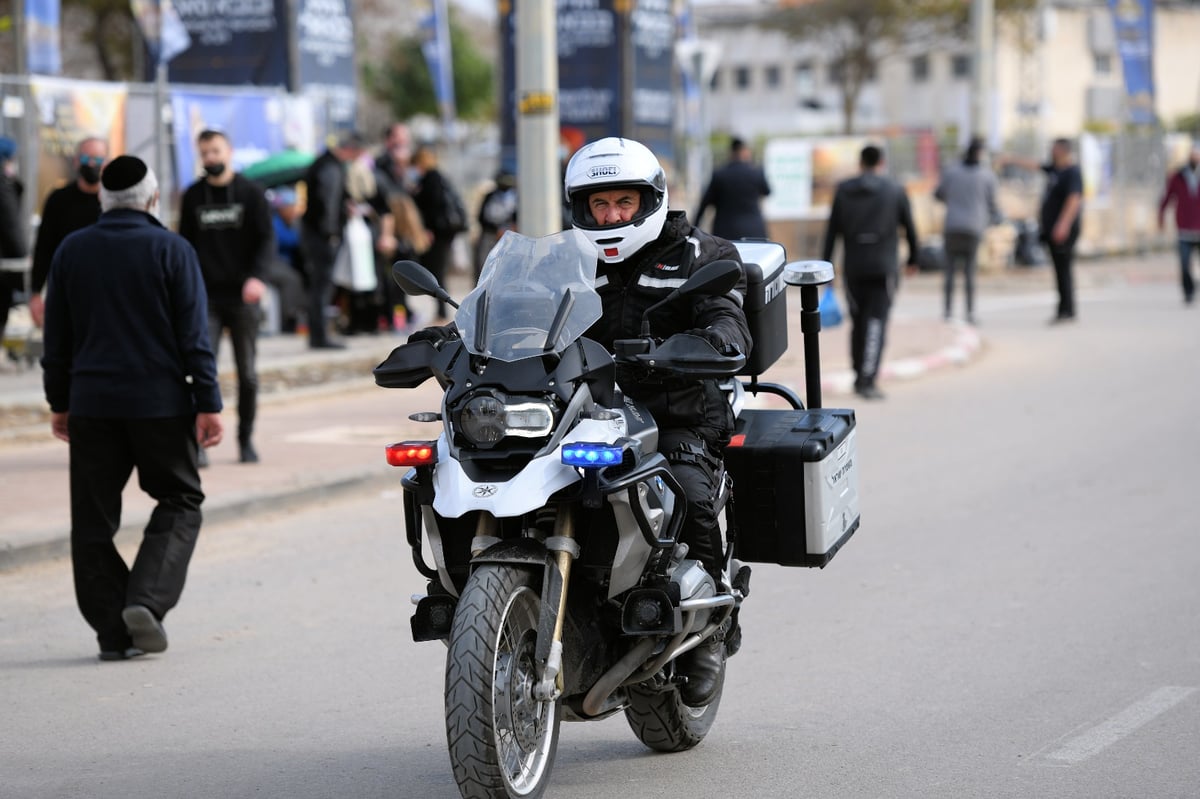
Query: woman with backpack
[442, 213]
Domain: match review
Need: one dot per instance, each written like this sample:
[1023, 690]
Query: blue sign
[1134, 21]
[232, 43]
[254, 124]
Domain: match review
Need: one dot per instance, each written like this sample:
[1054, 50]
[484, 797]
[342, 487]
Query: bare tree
[862, 33]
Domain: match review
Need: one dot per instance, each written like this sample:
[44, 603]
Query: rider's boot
[702, 668]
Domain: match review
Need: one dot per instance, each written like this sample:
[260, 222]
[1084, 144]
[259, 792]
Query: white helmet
[614, 163]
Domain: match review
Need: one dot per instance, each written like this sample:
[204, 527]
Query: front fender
[524, 551]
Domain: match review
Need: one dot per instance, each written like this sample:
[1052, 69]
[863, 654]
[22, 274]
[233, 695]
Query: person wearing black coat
[321, 229]
[433, 196]
[12, 228]
[132, 384]
[735, 193]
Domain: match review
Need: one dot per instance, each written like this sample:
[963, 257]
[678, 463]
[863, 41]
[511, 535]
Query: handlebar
[682, 355]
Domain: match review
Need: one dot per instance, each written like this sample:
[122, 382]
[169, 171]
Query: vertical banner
[1134, 21]
[68, 112]
[589, 71]
[233, 43]
[652, 37]
[435, 28]
[43, 33]
[254, 123]
[325, 59]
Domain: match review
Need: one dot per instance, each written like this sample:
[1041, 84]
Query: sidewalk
[324, 423]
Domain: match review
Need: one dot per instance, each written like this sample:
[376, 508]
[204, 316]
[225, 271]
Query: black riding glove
[712, 337]
[436, 335]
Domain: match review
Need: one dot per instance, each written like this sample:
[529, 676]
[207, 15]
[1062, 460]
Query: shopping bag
[354, 267]
[831, 312]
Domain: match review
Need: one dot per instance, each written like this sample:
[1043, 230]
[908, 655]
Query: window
[771, 77]
[805, 78]
[1103, 64]
[960, 66]
[741, 77]
[920, 68]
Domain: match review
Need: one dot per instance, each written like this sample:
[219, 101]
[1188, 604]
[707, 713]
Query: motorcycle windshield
[534, 297]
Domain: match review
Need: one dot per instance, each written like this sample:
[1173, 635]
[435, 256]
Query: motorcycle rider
[616, 192]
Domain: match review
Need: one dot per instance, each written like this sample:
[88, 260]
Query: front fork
[563, 549]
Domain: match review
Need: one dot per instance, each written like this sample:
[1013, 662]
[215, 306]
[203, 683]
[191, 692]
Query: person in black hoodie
[227, 219]
[132, 384]
[66, 210]
[867, 212]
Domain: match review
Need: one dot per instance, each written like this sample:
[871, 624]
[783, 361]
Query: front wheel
[661, 720]
[502, 739]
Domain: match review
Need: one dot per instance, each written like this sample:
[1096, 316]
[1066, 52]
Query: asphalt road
[1019, 616]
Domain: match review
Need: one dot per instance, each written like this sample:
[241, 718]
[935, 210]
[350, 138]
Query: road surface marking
[1108, 732]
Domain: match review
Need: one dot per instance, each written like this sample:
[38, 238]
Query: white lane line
[1108, 732]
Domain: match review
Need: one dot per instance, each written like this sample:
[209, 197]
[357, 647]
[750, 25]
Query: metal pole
[539, 183]
[983, 19]
[810, 328]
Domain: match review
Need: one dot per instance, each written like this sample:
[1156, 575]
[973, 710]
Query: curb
[966, 346]
[58, 544]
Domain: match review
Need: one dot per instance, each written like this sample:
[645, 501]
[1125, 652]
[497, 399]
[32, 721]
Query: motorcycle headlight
[486, 419]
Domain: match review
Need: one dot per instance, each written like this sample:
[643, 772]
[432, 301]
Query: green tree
[113, 34]
[862, 33]
[404, 82]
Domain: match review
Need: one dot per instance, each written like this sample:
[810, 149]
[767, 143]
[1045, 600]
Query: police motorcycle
[546, 522]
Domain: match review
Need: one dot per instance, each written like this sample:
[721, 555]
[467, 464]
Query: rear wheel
[502, 739]
[661, 720]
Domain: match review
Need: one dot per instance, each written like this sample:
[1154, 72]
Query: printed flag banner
[67, 112]
[1134, 21]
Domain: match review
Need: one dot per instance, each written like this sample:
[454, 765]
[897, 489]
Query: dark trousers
[435, 259]
[319, 255]
[241, 320]
[104, 453]
[961, 252]
[695, 463]
[1185, 267]
[870, 302]
[1062, 255]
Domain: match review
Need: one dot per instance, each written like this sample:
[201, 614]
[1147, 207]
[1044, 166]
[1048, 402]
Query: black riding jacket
[628, 288]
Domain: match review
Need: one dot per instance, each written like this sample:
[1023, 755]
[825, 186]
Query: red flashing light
[412, 453]
[738, 440]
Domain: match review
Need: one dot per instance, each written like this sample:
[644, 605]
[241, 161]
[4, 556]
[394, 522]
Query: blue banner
[164, 32]
[232, 43]
[42, 34]
[435, 28]
[254, 124]
[1134, 21]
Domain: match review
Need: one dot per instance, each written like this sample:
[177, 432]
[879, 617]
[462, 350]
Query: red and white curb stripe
[966, 345]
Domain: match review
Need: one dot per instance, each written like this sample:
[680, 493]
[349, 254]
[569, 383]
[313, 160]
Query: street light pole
[983, 35]
[539, 184]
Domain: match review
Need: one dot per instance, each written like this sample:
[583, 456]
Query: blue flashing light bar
[591, 456]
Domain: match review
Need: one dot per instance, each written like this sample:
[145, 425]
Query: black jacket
[127, 323]
[735, 191]
[66, 210]
[627, 289]
[867, 212]
[325, 214]
[231, 229]
[12, 228]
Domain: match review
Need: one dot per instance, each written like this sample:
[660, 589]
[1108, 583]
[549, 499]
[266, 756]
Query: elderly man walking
[132, 383]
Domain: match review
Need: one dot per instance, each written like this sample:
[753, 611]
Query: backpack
[454, 213]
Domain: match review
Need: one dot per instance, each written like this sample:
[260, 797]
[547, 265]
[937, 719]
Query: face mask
[90, 174]
[213, 170]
